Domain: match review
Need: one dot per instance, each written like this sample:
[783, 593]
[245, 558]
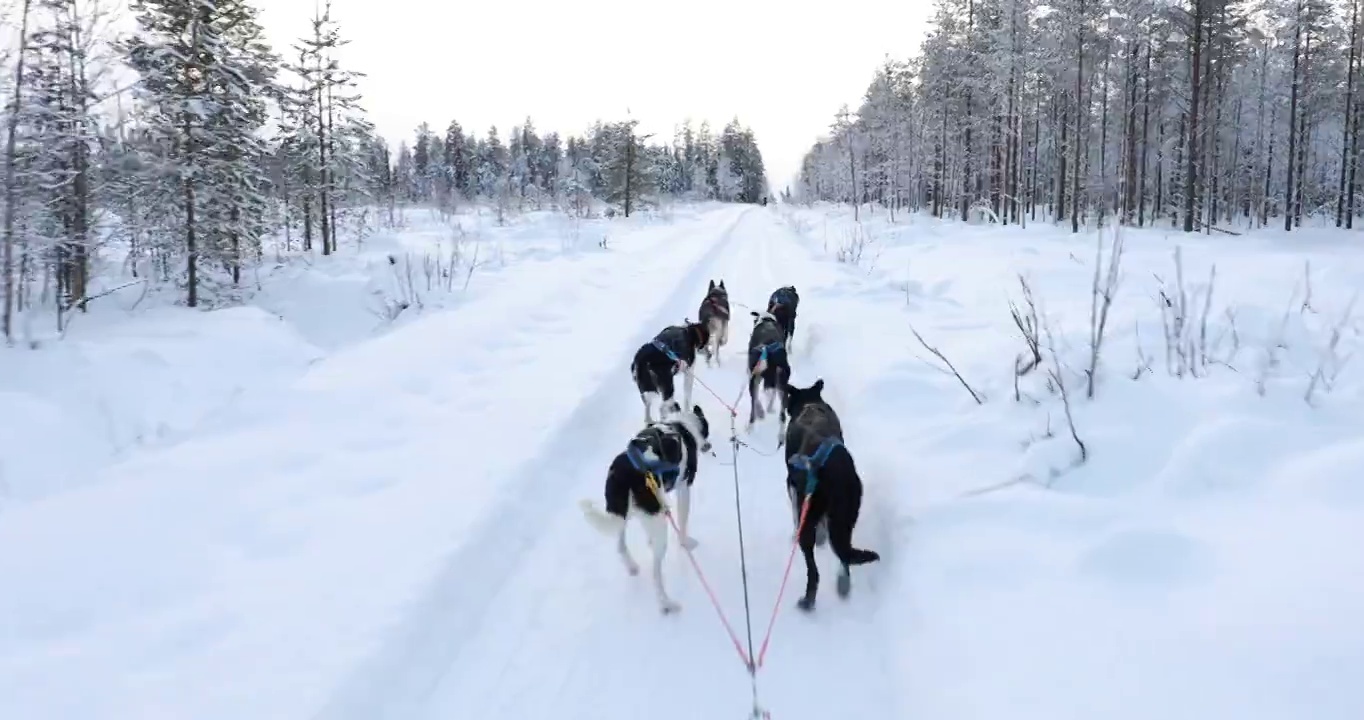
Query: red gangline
[776, 608]
[733, 636]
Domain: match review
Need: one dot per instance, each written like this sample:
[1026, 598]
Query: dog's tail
[606, 523]
[862, 557]
[848, 554]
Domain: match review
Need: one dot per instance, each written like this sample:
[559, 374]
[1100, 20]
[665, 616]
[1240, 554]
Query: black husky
[782, 305]
[820, 469]
[672, 350]
[767, 365]
[714, 314]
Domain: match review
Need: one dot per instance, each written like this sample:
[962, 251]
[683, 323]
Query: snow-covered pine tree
[627, 174]
[547, 163]
[60, 133]
[457, 156]
[204, 69]
[575, 170]
[421, 163]
[329, 132]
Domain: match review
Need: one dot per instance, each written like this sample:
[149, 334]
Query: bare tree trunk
[80, 182]
[324, 177]
[1081, 118]
[1304, 133]
[1347, 126]
[1145, 137]
[1352, 187]
[1192, 159]
[1289, 196]
[11, 176]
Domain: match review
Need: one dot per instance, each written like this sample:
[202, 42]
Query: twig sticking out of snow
[1307, 283]
[1028, 326]
[950, 367]
[1186, 351]
[1329, 362]
[1270, 360]
[1102, 291]
[1057, 377]
[1143, 360]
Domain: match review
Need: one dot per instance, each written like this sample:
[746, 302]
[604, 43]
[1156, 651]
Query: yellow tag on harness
[652, 483]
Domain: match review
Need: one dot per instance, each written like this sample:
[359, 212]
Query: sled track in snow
[397, 681]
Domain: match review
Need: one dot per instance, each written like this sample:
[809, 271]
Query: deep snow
[297, 509]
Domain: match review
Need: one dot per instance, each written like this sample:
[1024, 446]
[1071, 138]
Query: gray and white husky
[714, 314]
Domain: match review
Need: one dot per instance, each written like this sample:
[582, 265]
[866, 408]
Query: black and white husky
[671, 351]
[820, 467]
[714, 314]
[768, 366]
[667, 451]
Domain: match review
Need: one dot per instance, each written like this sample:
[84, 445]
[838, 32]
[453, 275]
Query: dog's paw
[669, 607]
[844, 585]
[806, 603]
[689, 543]
[631, 568]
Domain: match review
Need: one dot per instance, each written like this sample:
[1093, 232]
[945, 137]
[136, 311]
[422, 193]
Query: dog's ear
[754, 313]
[722, 284]
[696, 410]
[788, 389]
[818, 386]
[712, 284]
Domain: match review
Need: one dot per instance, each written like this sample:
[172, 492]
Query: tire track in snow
[397, 681]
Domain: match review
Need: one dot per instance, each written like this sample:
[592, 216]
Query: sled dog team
[662, 458]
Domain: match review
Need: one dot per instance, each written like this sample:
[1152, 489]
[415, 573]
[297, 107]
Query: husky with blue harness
[672, 350]
[661, 458]
[782, 304]
[768, 366]
[822, 482]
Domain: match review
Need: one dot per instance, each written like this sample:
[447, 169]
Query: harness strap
[668, 471]
[666, 350]
[771, 347]
[812, 463]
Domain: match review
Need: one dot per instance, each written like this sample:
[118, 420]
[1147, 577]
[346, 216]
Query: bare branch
[1056, 377]
[974, 395]
[1100, 301]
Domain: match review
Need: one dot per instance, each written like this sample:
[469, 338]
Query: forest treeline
[221, 142]
[1193, 114]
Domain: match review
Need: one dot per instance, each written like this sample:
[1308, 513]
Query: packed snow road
[535, 617]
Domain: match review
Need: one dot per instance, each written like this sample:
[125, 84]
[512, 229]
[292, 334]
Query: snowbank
[1201, 560]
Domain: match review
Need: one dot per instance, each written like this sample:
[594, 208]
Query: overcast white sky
[782, 71]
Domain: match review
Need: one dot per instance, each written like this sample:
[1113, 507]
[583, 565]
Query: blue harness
[811, 464]
[772, 347]
[666, 472]
[666, 350]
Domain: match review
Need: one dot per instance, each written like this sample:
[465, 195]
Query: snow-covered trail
[538, 619]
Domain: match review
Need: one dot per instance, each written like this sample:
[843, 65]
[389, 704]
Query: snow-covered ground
[1204, 562]
[297, 509]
